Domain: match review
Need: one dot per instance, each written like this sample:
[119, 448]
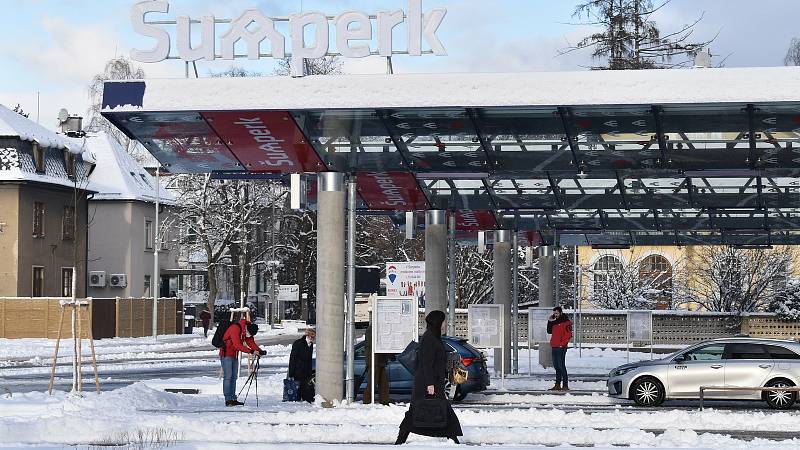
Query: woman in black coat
[429, 381]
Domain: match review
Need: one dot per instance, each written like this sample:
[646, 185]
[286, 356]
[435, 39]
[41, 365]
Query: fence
[26, 317]
[669, 327]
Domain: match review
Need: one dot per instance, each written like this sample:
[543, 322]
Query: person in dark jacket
[429, 381]
[559, 327]
[238, 338]
[300, 368]
[205, 317]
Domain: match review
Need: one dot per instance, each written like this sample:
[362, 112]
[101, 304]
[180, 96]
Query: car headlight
[621, 372]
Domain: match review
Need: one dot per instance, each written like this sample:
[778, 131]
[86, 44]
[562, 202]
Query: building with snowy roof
[122, 226]
[44, 183]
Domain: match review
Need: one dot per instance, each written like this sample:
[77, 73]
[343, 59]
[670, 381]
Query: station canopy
[603, 158]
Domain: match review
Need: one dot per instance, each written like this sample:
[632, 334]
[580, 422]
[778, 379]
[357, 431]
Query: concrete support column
[435, 260]
[330, 285]
[546, 294]
[502, 293]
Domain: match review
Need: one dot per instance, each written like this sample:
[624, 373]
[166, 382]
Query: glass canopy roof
[602, 175]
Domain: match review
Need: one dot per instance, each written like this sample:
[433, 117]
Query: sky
[51, 49]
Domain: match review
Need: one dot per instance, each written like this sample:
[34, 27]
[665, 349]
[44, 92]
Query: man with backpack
[232, 338]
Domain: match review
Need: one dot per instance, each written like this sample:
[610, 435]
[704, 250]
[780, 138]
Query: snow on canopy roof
[748, 85]
[118, 176]
[15, 125]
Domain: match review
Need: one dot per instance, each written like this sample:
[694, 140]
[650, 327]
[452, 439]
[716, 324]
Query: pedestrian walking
[429, 383]
[559, 327]
[381, 374]
[238, 337]
[300, 368]
[205, 318]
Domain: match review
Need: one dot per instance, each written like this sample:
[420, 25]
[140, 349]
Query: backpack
[219, 335]
[410, 357]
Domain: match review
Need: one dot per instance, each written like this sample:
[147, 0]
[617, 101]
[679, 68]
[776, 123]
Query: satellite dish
[63, 115]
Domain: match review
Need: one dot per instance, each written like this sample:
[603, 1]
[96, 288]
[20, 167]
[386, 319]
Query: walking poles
[250, 379]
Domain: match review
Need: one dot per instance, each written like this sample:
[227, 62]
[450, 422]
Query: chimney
[70, 124]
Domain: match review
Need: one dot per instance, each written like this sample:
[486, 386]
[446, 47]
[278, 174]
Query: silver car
[730, 362]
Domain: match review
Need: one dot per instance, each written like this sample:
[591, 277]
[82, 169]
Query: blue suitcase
[291, 390]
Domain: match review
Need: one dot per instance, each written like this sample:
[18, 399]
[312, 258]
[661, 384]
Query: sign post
[537, 329]
[406, 279]
[640, 329]
[395, 323]
[485, 330]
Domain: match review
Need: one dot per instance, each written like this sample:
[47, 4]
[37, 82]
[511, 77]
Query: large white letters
[161, 50]
[345, 34]
[354, 34]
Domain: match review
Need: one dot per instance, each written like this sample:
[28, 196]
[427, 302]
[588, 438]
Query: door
[701, 366]
[746, 365]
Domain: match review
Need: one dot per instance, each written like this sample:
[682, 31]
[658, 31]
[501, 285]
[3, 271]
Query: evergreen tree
[631, 39]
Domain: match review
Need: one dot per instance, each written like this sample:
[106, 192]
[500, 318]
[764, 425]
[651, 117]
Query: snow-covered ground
[515, 418]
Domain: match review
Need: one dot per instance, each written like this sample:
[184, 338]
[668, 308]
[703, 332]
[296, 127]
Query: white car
[731, 362]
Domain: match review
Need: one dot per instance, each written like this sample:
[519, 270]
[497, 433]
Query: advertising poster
[406, 279]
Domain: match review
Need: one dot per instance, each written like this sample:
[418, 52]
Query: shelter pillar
[546, 295]
[330, 285]
[502, 294]
[436, 260]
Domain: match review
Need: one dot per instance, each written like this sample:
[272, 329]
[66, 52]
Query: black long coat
[300, 360]
[431, 370]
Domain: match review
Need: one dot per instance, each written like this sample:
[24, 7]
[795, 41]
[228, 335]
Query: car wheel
[780, 399]
[647, 391]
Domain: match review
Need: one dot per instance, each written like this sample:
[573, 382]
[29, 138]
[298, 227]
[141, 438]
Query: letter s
[161, 49]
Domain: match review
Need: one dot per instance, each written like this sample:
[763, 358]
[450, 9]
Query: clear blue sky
[56, 46]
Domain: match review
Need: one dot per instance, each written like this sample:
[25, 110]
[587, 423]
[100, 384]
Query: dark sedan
[401, 380]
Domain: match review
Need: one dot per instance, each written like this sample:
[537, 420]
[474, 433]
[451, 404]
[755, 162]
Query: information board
[395, 323]
[485, 325]
[537, 325]
[640, 326]
[288, 293]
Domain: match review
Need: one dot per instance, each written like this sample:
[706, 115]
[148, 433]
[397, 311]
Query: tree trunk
[212, 286]
[235, 260]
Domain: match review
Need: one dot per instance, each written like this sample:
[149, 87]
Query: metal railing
[743, 389]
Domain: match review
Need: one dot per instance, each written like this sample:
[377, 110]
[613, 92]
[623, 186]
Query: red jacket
[561, 331]
[233, 338]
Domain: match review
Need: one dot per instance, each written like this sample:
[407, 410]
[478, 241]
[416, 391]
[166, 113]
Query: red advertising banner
[392, 191]
[265, 141]
[475, 221]
[192, 147]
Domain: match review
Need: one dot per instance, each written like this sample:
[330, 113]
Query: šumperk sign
[355, 34]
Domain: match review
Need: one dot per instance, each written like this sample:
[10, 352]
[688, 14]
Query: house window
[148, 235]
[605, 268]
[147, 292]
[66, 282]
[655, 275]
[69, 164]
[38, 219]
[68, 224]
[38, 157]
[38, 282]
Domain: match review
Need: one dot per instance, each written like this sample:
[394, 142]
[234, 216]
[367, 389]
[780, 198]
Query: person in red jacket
[238, 338]
[559, 327]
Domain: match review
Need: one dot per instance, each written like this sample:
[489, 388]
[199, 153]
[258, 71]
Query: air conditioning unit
[97, 278]
[118, 280]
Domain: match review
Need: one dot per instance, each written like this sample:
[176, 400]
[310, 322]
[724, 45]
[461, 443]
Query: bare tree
[731, 279]
[328, 65]
[793, 54]
[118, 68]
[631, 39]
